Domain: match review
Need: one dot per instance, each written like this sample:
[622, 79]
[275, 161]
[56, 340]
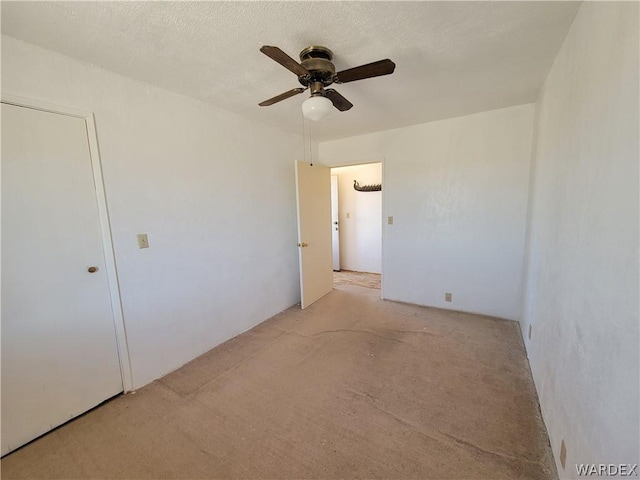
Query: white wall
[219, 210]
[582, 275]
[457, 190]
[361, 233]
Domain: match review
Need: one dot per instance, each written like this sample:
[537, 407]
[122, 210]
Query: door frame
[105, 225]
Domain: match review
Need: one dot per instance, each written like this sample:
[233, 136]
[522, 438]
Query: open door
[313, 192]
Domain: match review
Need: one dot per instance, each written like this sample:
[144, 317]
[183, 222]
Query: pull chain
[306, 139]
[310, 144]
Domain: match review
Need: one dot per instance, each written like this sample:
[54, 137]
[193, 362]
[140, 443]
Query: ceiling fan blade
[375, 69]
[283, 59]
[282, 96]
[338, 100]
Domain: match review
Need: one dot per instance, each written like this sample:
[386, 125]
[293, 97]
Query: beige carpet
[362, 279]
[352, 387]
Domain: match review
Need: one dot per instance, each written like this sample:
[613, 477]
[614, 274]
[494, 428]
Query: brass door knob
[303, 244]
[92, 269]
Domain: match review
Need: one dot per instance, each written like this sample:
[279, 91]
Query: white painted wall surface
[457, 190]
[361, 233]
[582, 281]
[214, 192]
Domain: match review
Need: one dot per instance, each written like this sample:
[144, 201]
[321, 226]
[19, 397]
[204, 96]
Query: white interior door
[59, 350]
[313, 191]
[335, 224]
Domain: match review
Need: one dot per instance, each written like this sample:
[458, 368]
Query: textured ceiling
[452, 58]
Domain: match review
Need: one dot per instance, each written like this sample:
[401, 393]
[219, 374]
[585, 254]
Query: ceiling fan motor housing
[317, 60]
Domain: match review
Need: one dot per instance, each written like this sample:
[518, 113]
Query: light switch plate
[143, 240]
[390, 220]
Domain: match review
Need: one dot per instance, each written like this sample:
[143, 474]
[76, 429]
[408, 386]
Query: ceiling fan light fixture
[316, 108]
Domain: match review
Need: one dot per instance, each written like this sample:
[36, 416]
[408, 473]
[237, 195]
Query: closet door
[59, 350]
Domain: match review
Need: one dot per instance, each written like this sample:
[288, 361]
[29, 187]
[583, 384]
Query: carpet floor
[352, 387]
[362, 279]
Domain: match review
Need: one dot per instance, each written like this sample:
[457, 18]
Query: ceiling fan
[316, 72]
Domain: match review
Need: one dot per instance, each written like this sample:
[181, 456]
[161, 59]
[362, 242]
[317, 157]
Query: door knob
[92, 269]
[303, 244]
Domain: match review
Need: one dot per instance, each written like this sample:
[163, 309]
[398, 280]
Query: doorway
[359, 224]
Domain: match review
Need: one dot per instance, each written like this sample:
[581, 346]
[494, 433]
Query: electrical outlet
[448, 297]
[143, 240]
[389, 220]
[348, 215]
[530, 332]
